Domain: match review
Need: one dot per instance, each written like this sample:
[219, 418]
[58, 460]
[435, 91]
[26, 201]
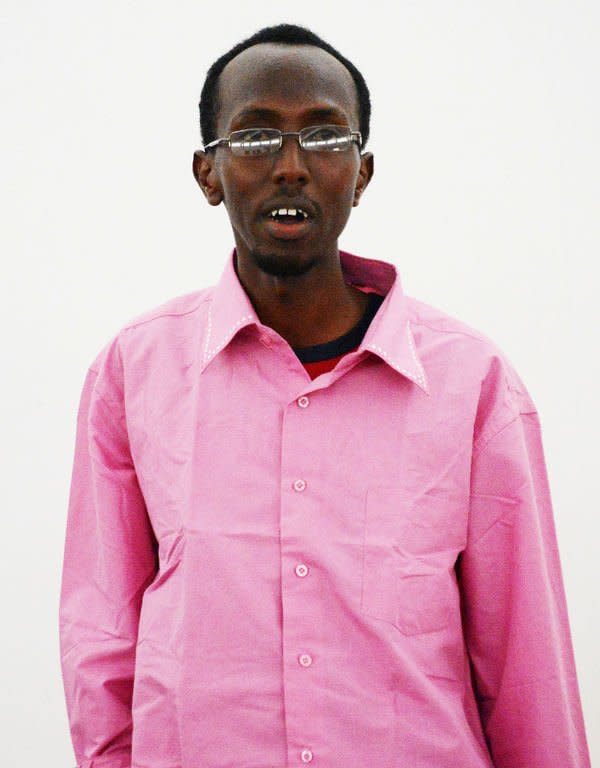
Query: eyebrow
[318, 113]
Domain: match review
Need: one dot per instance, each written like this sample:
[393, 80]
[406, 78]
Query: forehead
[286, 78]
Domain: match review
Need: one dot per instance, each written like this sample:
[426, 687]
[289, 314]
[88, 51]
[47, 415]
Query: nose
[289, 165]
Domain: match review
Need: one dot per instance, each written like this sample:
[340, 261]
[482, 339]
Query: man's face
[285, 87]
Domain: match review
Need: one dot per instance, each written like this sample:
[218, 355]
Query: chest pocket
[409, 550]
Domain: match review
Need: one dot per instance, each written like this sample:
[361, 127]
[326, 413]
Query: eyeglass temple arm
[215, 143]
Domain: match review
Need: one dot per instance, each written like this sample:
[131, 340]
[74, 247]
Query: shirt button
[305, 659]
[299, 485]
[301, 570]
[306, 755]
[303, 401]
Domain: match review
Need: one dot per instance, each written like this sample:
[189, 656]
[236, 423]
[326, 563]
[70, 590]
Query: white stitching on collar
[410, 374]
[419, 375]
[210, 352]
[208, 332]
[411, 342]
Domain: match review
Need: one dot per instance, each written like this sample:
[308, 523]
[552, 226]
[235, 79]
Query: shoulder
[176, 307]
[450, 334]
[156, 332]
[462, 355]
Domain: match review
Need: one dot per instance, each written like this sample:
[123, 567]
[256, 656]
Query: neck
[306, 309]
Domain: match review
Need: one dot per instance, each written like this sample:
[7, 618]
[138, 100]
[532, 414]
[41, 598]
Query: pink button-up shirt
[262, 570]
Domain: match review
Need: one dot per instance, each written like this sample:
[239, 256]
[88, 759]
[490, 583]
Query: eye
[324, 133]
[254, 141]
[252, 134]
[327, 138]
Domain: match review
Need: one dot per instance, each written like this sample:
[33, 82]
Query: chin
[282, 264]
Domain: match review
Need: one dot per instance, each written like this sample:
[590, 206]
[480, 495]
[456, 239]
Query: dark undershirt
[345, 343]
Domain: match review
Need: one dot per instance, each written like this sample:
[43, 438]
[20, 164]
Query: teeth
[287, 212]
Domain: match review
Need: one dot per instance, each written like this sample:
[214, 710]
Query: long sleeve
[109, 559]
[514, 608]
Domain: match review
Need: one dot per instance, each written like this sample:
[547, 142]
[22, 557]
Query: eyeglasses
[267, 141]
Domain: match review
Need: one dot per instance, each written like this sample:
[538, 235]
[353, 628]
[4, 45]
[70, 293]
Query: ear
[206, 176]
[365, 173]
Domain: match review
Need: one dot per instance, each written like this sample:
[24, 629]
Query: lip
[293, 231]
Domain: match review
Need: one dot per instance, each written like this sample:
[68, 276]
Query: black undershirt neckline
[345, 342]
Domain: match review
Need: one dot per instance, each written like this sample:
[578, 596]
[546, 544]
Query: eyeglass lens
[262, 141]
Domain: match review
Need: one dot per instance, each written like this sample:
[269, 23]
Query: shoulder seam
[108, 403]
[484, 440]
[481, 339]
[133, 324]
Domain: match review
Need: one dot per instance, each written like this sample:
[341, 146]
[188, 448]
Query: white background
[486, 195]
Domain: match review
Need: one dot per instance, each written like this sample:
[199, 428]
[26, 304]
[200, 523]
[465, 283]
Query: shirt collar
[389, 335]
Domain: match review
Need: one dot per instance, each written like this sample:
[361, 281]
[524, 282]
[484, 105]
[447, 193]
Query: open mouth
[288, 223]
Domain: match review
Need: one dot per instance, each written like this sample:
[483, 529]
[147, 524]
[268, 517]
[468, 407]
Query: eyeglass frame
[227, 139]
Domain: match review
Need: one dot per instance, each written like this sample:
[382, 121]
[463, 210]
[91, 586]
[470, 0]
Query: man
[310, 520]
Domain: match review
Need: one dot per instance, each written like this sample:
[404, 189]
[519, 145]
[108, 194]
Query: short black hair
[291, 34]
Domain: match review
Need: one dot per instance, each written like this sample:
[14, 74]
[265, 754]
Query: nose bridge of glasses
[290, 147]
[293, 138]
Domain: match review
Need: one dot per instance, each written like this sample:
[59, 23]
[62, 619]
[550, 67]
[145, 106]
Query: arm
[109, 560]
[515, 614]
